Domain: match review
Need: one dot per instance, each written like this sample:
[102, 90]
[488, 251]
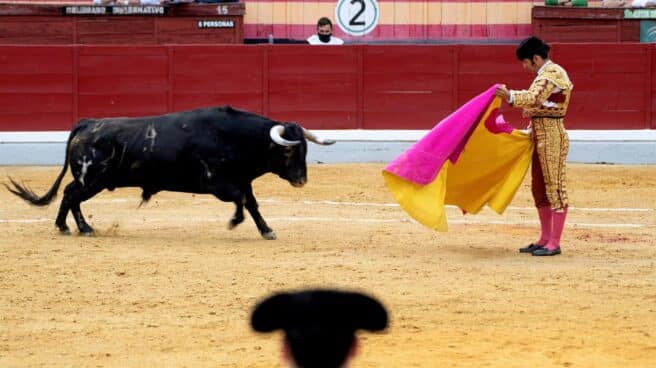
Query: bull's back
[181, 151]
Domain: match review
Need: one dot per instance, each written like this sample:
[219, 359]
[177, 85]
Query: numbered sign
[357, 17]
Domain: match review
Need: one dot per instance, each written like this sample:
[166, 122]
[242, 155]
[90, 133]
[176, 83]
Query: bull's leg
[232, 194]
[60, 222]
[238, 217]
[74, 194]
[82, 225]
[252, 207]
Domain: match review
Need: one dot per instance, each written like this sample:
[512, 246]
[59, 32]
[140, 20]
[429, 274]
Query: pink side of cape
[421, 163]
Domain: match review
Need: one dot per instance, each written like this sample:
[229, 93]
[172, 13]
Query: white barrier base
[586, 146]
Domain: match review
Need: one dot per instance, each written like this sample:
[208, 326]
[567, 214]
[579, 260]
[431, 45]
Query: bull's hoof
[64, 230]
[233, 223]
[270, 235]
[87, 231]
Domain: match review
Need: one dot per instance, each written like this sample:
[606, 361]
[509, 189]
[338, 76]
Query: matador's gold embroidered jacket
[548, 95]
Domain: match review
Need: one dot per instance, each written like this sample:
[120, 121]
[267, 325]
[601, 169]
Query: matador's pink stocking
[558, 224]
[545, 225]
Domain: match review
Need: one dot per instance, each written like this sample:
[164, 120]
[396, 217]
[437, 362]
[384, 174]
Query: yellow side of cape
[489, 171]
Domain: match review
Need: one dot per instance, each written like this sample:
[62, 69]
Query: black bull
[217, 151]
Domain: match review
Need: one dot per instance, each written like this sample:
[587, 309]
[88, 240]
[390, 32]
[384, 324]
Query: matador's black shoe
[530, 248]
[546, 252]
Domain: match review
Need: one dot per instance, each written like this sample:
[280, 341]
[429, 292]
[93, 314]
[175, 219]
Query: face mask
[324, 37]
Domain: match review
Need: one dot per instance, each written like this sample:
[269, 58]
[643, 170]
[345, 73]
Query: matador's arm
[535, 96]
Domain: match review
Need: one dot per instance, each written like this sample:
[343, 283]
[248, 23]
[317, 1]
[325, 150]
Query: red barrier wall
[347, 87]
[651, 79]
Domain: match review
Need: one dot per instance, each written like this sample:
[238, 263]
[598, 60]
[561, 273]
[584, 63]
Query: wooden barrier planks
[346, 87]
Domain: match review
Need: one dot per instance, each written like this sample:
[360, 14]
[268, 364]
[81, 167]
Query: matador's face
[534, 64]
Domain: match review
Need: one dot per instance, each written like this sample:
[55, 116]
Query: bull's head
[289, 162]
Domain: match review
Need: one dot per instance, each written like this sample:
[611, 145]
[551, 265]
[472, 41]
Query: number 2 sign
[357, 17]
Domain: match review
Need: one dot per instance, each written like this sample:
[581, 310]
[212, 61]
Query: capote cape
[470, 159]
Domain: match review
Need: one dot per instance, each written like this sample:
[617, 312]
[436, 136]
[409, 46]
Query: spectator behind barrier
[324, 34]
[319, 325]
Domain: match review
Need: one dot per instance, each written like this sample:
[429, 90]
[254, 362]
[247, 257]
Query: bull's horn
[276, 133]
[313, 138]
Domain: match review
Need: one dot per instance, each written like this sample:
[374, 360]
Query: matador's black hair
[532, 46]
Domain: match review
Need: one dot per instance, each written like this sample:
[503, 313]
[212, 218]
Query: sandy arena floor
[167, 285]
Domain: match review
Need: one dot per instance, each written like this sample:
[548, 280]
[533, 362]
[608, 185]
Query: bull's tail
[28, 195]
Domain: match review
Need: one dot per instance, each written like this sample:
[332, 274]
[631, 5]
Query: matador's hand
[502, 92]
